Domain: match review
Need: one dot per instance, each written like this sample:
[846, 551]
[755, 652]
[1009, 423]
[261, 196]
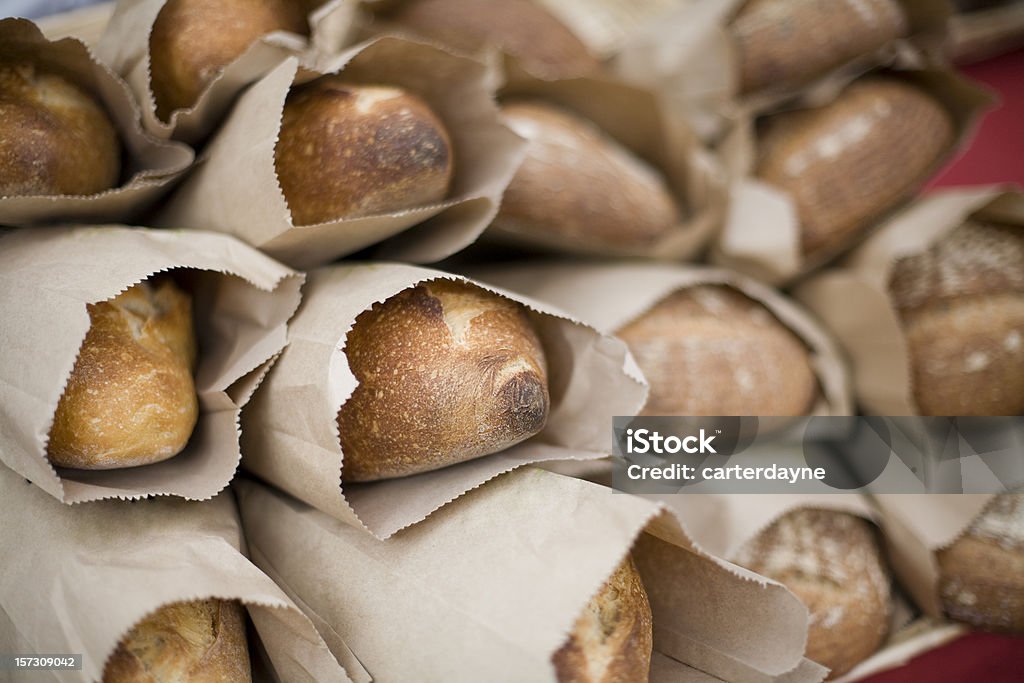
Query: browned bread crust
[130, 399]
[184, 642]
[55, 139]
[612, 640]
[832, 562]
[851, 160]
[447, 372]
[789, 42]
[578, 187]
[982, 572]
[962, 307]
[709, 350]
[521, 28]
[354, 150]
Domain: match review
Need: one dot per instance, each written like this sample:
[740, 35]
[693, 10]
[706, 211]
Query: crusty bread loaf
[788, 42]
[447, 372]
[350, 150]
[193, 40]
[982, 572]
[612, 640]
[849, 161]
[709, 350]
[542, 45]
[130, 399]
[962, 307]
[832, 561]
[55, 139]
[184, 642]
[580, 190]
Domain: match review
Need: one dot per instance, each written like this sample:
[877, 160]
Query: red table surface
[996, 155]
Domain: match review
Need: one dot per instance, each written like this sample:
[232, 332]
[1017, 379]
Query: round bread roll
[831, 561]
[851, 160]
[130, 399]
[709, 350]
[193, 40]
[194, 642]
[55, 139]
[982, 572]
[521, 28]
[355, 150]
[961, 303]
[612, 640]
[580, 190]
[789, 42]
[447, 372]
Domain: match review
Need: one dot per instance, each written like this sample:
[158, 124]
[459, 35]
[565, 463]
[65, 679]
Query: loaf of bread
[850, 161]
[832, 561]
[612, 640]
[709, 350]
[982, 572]
[578, 189]
[130, 399]
[193, 40]
[522, 28]
[447, 372]
[55, 138]
[961, 303]
[184, 642]
[350, 150]
[784, 43]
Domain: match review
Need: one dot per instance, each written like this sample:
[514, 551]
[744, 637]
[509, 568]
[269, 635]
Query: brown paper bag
[125, 47]
[762, 234]
[490, 587]
[76, 579]
[610, 295]
[241, 302]
[852, 297]
[235, 188]
[290, 428]
[149, 166]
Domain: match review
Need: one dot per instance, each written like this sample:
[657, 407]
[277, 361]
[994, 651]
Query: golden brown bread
[130, 399]
[788, 42]
[962, 307]
[580, 190]
[831, 561]
[55, 139]
[184, 642]
[982, 572]
[193, 40]
[521, 28]
[709, 350]
[350, 150]
[850, 161]
[447, 372]
[612, 640]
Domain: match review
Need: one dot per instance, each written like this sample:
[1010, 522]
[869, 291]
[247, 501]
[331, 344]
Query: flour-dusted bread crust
[184, 642]
[447, 372]
[55, 138]
[612, 640]
[848, 162]
[962, 307]
[131, 399]
[521, 28]
[348, 150]
[783, 43]
[193, 40]
[579, 189]
[832, 561]
[709, 350]
[982, 572]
